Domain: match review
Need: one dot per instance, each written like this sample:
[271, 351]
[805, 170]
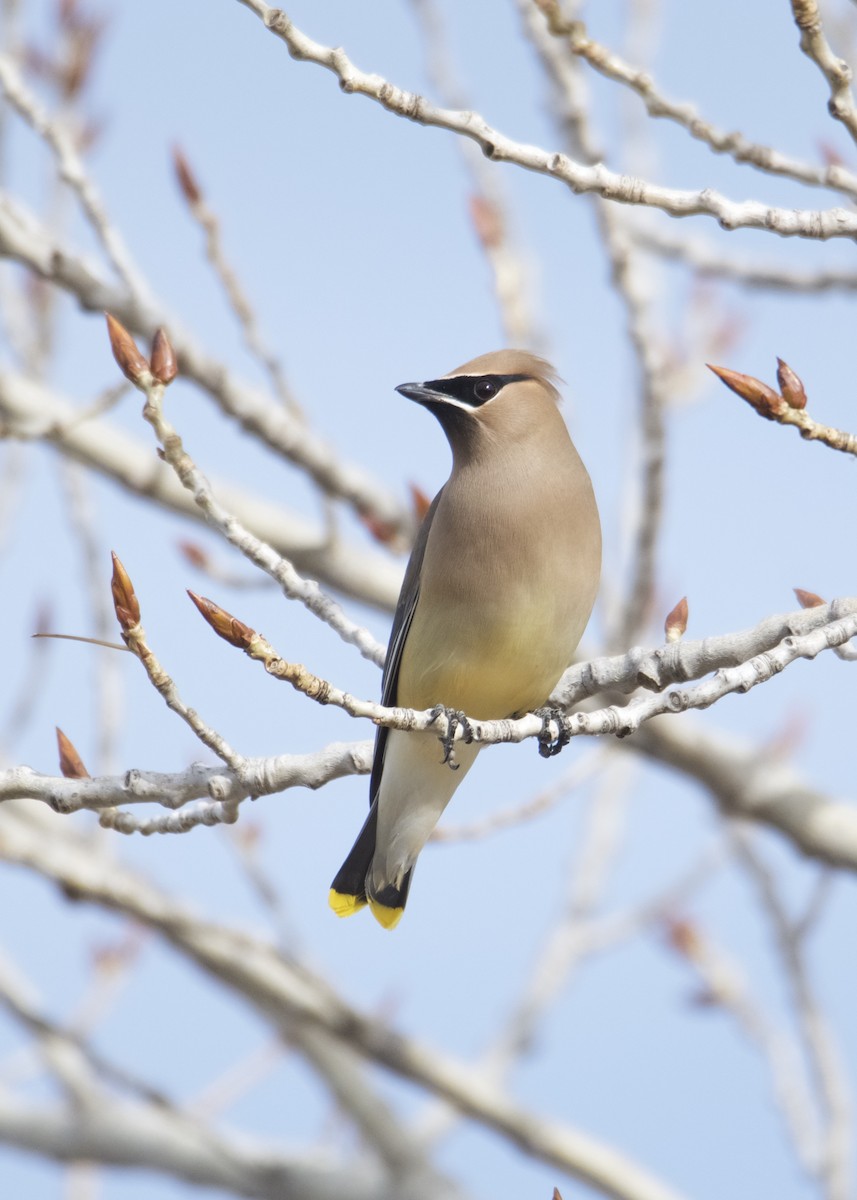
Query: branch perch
[730, 214]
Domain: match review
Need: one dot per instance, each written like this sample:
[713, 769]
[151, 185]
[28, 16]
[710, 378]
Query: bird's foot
[548, 744]
[454, 719]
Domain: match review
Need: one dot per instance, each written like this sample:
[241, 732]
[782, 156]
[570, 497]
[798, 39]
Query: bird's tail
[349, 891]
[388, 904]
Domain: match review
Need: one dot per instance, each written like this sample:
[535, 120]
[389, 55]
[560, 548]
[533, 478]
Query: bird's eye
[485, 389]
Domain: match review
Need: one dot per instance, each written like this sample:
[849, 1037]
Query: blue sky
[350, 228]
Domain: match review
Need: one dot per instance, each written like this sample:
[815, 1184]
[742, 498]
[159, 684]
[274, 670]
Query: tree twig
[748, 214]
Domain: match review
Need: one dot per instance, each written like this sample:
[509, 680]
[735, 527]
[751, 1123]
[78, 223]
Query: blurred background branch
[637, 951]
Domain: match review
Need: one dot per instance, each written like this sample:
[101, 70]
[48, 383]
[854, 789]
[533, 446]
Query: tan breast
[508, 582]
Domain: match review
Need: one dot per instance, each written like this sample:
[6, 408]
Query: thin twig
[29, 411]
[108, 678]
[712, 262]
[199, 795]
[835, 70]
[135, 636]
[293, 585]
[73, 172]
[235, 294]
[634, 289]
[824, 1056]
[743, 782]
[749, 214]
[285, 994]
[612, 720]
[731, 143]
[725, 987]
[577, 776]
[489, 209]
[775, 407]
[24, 239]
[564, 946]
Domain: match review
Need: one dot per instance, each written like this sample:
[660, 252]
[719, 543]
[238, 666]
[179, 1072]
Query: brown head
[506, 396]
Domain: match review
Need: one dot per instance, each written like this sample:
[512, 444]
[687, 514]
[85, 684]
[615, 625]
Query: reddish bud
[420, 502]
[675, 625]
[249, 835]
[830, 155]
[223, 623]
[487, 221]
[72, 78]
[684, 937]
[186, 179]
[808, 599]
[791, 387]
[83, 33]
[124, 598]
[105, 959]
[163, 361]
[787, 739]
[195, 555]
[114, 955]
[89, 135]
[71, 764]
[382, 531]
[556, 1195]
[764, 399]
[130, 361]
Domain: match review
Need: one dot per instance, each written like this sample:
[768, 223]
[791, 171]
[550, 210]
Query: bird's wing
[402, 618]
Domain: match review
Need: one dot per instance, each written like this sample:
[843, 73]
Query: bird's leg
[454, 718]
[548, 745]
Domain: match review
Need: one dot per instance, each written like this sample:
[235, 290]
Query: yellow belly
[488, 669]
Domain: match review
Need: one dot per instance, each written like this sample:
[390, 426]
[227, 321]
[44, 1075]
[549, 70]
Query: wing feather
[404, 615]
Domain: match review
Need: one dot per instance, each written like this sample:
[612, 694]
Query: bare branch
[237, 298]
[566, 942]
[835, 70]
[725, 987]
[732, 143]
[488, 207]
[134, 636]
[613, 720]
[218, 789]
[288, 995]
[756, 786]
[294, 586]
[581, 772]
[25, 240]
[73, 172]
[634, 289]
[835, 1165]
[30, 411]
[679, 662]
[746, 784]
[712, 262]
[776, 407]
[748, 214]
[128, 1134]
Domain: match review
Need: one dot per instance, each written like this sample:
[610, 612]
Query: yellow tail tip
[384, 915]
[344, 905]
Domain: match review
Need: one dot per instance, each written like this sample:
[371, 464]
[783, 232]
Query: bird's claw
[549, 745]
[454, 719]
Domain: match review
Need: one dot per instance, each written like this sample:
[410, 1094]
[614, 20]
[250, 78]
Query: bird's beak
[420, 393]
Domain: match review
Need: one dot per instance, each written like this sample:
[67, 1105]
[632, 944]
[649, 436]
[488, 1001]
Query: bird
[496, 595]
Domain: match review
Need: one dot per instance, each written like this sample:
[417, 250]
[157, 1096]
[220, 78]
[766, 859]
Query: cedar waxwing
[496, 595]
